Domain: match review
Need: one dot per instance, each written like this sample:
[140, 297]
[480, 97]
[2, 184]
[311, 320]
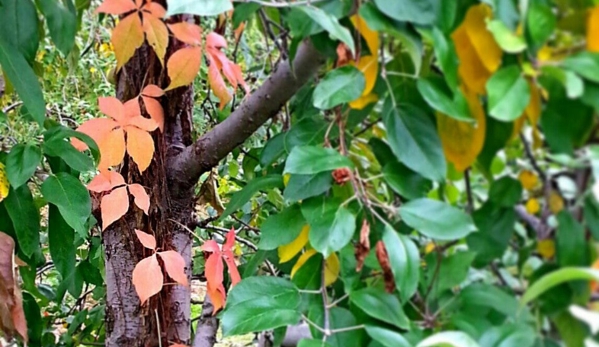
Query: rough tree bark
[170, 181]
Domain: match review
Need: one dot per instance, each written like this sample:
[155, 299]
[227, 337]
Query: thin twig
[470, 206]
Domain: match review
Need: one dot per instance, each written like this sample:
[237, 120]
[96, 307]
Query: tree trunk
[129, 323]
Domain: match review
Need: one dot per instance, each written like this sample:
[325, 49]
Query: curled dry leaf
[383, 258]
[147, 278]
[363, 247]
[12, 317]
[149, 241]
[174, 264]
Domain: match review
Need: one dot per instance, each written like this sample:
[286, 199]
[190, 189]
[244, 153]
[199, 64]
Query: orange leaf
[148, 240]
[116, 6]
[217, 295]
[229, 257]
[214, 40]
[217, 84]
[187, 32]
[112, 149]
[156, 34]
[113, 206]
[113, 108]
[155, 9]
[106, 180]
[132, 110]
[127, 37]
[155, 111]
[593, 29]
[183, 66]
[147, 278]
[153, 91]
[174, 264]
[140, 147]
[141, 198]
[214, 269]
[96, 128]
[143, 123]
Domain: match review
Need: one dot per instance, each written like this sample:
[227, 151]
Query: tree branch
[261, 105]
[207, 326]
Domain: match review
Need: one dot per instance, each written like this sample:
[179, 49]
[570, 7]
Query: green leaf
[414, 141]
[332, 26]
[260, 303]
[25, 218]
[436, 94]
[415, 11]
[436, 219]
[570, 241]
[21, 163]
[586, 64]
[312, 343]
[198, 7]
[19, 27]
[591, 215]
[282, 228]
[241, 197]
[446, 57]
[301, 187]
[23, 79]
[61, 239]
[33, 316]
[61, 22]
[448, 339]
[386, 337]
[508, 335]
[573, 84]
[309, 160]
[486, 295]
[405, 262]
[65, 150]
[331, 225]
[496, 136]
[451, 272]
[72, 199]
[506, 191]
[496, 227]
[557, 277]
[380, 305]
[243, 12]
[61, 132]
[339, 318]
[509, 94]
[273, 149]
[406, 182]
[505, 38]
[540, 23]
[339, 86]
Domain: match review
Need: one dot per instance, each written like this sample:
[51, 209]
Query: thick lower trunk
[166, 315]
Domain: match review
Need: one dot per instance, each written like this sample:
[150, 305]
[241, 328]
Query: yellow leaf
[544, 54]
[370, 67]
[156, 34]
[127, 37]
[286, 178]
[463, 141]
[556, 203]
[288, 251]
[363, 101]
[368, 64]
[533, 110]
[370, 36]
[528, 179]
[429, 247]
[478, 53]
[532, 206]
[593, 30]
[332, 266]
[546, 248]
[4, 185]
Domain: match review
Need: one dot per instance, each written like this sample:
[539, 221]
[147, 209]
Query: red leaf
[142, 200]
[116, 6]
[12, 317]
[153, 91]
[96, 128]
[214, 40]
[214, 268]
[140, 147]
[155, 111]
[113, 206]
[183, 66]
[127, 37]
[174, 265]
[112, 149]
[217, 84]
[187, 32]
[155, 9]
[147, 278]
[113, 108]
[229, 257]
[156, 34]
[210, 246]
[149, 241]
[230, 240]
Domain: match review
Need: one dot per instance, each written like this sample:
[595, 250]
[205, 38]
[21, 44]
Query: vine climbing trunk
[164, 316]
